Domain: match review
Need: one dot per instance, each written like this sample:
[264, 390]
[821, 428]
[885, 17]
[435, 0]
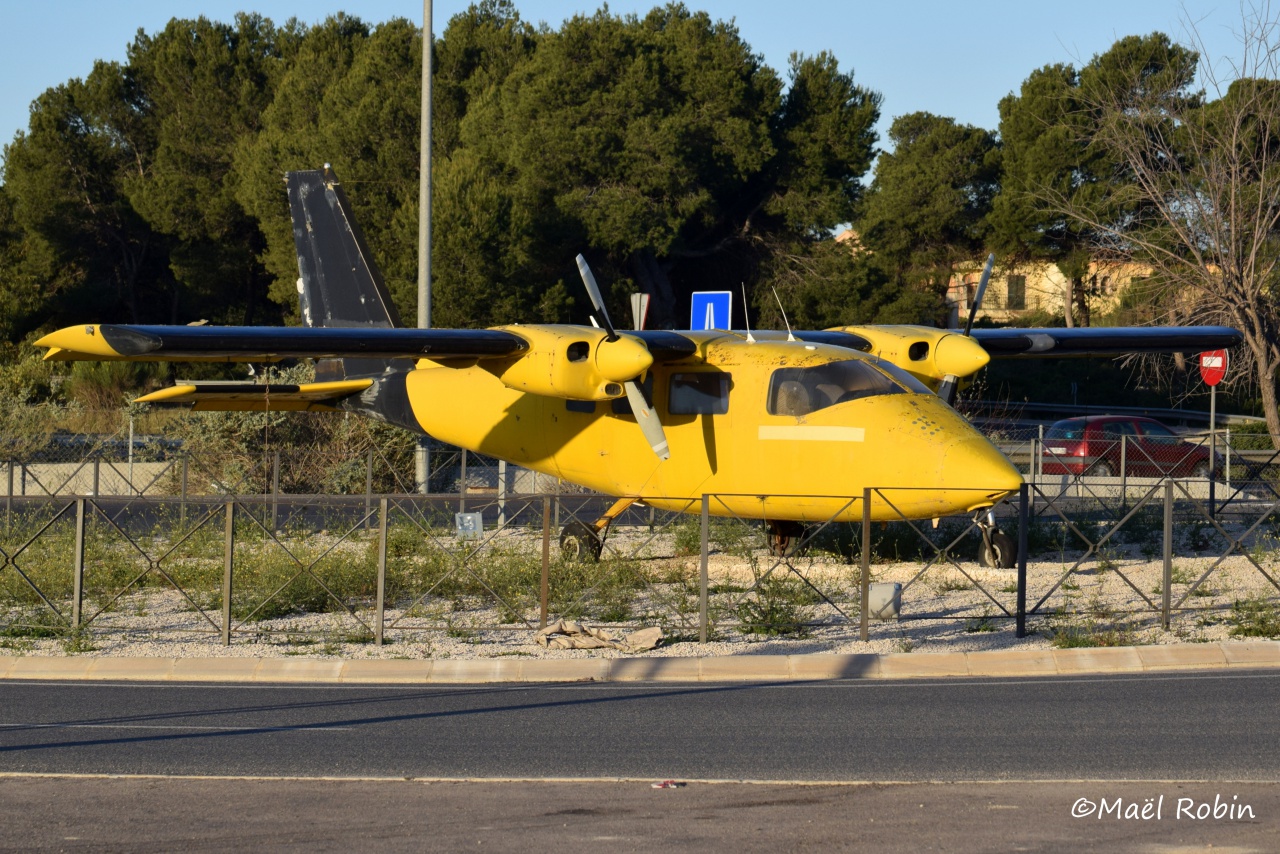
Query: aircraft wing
[1104, 341]
[112, 342]
[257, 397]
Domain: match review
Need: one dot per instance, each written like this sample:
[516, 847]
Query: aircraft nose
[975, 463]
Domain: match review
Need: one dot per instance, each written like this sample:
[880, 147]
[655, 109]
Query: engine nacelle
[926, 353]
[572, 362]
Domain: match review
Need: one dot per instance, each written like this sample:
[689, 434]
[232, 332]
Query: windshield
[799, 391]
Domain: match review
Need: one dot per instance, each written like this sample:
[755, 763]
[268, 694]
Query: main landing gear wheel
[783, 537]
[579, 544]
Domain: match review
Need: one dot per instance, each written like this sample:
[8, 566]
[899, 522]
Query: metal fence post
[97, 467]
[864, 573]
[182, 506]
[502, 493]
[275, 489]
[1168, 554]
[382, 570]
[368, 489]
[544, 590]
[702, 570]
[1024, 519]
[8, 499]
[228, 554]
[1124, 472]
[1227, 450]
[77, 583]
[462, 484]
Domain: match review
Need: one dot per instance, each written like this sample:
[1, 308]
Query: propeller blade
[648, 420]
[593, 291]
[977, 298]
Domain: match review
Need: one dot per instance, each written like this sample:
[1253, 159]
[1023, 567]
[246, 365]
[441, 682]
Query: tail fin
[339, 284]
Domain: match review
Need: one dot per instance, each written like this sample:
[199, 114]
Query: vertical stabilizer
[339, 284]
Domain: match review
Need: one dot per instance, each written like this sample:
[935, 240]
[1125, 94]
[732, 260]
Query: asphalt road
[1209, 726]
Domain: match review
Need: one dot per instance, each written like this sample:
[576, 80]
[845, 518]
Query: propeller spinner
[645, 415]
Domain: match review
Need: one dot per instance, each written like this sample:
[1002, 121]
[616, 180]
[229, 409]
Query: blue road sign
[711, 310]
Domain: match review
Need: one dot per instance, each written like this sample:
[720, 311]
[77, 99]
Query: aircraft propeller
[951, 383]
[645, 415]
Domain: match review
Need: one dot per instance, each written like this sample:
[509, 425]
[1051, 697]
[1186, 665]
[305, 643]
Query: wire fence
[248, 547]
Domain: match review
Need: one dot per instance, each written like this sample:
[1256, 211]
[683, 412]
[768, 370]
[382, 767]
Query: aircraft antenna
[745, 317]
[785, 322]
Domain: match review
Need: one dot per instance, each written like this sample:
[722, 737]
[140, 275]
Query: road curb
[742, 668]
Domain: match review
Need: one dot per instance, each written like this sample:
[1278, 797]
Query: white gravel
[1101, 604]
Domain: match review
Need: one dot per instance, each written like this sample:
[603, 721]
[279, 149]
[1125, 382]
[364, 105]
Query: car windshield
[1065, 430]
[799, 391]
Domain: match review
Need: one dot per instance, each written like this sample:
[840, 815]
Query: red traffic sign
[1213, 366]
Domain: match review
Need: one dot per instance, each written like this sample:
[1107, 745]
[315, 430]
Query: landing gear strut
[998, 549]
[783, 537]
[582, 543]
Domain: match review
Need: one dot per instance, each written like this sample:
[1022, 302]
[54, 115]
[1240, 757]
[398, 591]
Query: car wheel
[1201, 470]
[1102, 468]
[579, 544]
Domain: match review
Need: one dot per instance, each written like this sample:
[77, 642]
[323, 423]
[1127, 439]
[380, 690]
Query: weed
[980, 625]
[951, 584]
[1254, 617]
[1011, 587]
[77, 641]
[781, 606]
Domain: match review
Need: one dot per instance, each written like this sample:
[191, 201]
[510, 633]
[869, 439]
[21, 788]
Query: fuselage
[770, 429]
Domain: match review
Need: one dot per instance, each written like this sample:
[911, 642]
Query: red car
[1096, 444]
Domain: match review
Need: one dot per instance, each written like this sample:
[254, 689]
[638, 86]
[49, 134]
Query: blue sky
[951, 58]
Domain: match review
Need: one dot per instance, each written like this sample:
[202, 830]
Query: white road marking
[174, 727]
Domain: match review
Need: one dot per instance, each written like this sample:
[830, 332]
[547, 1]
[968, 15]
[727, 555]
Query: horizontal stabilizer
[256, 397]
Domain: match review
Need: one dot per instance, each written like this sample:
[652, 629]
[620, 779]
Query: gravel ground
[945, 609]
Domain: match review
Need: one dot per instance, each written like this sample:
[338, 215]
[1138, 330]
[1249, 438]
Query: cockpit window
[799, 391]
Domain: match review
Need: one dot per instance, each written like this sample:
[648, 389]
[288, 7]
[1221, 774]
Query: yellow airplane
[781, 426]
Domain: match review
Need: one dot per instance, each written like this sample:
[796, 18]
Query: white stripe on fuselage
[815, 433]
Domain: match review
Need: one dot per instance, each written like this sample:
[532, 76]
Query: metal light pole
[422, 458]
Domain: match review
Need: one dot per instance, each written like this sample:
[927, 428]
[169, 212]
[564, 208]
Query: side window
[1159, 434]
[703, 393]
[1116, 429]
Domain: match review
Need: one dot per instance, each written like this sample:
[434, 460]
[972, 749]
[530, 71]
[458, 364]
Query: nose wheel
[997, 550]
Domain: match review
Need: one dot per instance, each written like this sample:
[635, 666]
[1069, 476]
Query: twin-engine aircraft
[780, 426]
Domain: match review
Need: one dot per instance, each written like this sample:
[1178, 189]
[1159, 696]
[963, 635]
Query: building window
[1017, 299]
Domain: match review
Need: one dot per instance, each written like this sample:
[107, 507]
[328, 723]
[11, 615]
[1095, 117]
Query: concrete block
[910, 665]
[139, 669]
[564, 670]
[655, 669]
[35, 667]
[475, 670]
[1182, 656]
[850, 666]
[388, 671]
[1013, 662]
[297, 670]
[746, 668]
[1252, 653]
[1119, 659]
[215, 669]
